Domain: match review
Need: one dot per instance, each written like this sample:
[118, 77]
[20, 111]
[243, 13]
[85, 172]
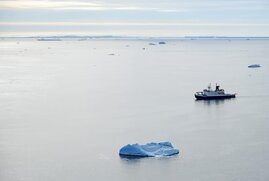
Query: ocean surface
[67, 107]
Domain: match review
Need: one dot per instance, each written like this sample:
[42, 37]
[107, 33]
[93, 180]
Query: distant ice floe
[49, 39]
[161, 149]
[254, 66]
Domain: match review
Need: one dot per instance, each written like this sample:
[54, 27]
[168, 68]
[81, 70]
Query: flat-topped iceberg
[148, 150]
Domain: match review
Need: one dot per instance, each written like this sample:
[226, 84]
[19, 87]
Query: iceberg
[254, 66]
[148, 150]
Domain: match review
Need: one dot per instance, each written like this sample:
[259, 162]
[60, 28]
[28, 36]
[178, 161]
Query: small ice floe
[162, 43]
[254, 66]
[82, 39]
[151, 43]
[161, 149]
[49, 39]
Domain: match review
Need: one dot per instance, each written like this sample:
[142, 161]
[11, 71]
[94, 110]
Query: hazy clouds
[156, 17]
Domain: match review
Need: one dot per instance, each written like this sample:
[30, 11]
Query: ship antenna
[217, 86]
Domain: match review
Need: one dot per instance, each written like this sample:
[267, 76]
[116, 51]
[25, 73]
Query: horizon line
[132, 36]
[120, 23]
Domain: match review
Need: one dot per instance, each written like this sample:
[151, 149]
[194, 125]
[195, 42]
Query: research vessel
[208, 94]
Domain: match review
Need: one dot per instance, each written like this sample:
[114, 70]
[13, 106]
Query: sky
[134, 18]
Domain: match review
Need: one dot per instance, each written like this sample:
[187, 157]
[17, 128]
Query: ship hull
[203, 97]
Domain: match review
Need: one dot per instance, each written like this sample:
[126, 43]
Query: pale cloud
[138, 5]
[131, 17]
[127, 24]
[76, 5]
[45, 4]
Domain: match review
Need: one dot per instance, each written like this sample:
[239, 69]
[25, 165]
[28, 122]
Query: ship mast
[209, 87]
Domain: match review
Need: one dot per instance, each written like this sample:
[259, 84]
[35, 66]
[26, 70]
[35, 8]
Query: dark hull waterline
[203, 97]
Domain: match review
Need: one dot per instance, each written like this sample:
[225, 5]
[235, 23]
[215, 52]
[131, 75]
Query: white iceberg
[148, 150]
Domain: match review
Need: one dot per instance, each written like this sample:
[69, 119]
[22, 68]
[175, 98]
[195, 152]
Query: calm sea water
[67, 107]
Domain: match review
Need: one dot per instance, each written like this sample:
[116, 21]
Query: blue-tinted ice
[254, 66]
[148, 150]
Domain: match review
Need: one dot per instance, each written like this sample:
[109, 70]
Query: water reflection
[212, 102]
[135, 159]
[132, 159]
[128, 157]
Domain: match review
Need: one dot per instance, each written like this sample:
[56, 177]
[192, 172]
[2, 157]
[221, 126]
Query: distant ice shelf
[161, 149]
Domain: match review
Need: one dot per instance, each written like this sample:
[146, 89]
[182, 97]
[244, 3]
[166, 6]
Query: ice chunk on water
[254, 66]
[149, 150]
